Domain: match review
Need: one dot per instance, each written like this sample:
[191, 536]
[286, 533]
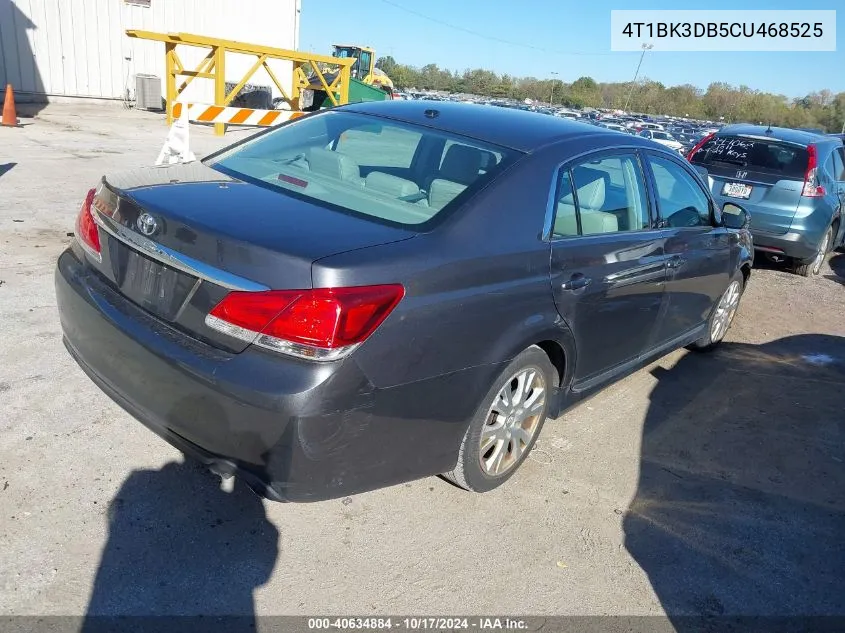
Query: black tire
[707, 342]
[813, 266]
[469, 473]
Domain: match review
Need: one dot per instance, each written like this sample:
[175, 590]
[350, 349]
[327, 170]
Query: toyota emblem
[147, 224]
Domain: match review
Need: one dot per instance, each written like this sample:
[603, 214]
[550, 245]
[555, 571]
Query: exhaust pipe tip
[226, 471]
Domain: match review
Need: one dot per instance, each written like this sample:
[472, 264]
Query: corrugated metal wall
[78, 47]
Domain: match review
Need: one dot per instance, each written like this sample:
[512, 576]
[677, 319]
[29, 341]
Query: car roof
[801, 137]
[506, 127]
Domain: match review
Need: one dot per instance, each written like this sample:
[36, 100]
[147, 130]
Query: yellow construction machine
[366, 83]
[364, 69]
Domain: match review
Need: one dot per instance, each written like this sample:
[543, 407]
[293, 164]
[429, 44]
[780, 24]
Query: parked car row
[679, 135]
[408, 289]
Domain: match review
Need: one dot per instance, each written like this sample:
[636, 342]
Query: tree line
[821, 109]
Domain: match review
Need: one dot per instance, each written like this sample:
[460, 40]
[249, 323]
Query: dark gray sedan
[393, 290]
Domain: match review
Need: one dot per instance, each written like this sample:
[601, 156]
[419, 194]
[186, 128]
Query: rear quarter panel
[813, 216]
[477, 285]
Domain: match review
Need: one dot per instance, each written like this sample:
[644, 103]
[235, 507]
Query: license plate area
[737, 190]
[154, 286]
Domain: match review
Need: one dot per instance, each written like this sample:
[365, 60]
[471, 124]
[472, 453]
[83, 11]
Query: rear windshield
[760, 155]
[395, 172]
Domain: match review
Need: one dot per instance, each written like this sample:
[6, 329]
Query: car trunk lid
[176, 240]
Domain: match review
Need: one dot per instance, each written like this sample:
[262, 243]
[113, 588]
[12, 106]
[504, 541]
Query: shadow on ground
[837, 265]
[740, 508]
[178, 545]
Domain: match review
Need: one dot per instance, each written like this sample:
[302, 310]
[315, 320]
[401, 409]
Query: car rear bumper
[293, 430]
[791, 244]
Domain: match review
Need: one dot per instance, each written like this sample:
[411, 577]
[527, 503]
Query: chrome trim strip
[90, 252]
[174, 259]
[657, 276]
[280, 346]
[637, 271]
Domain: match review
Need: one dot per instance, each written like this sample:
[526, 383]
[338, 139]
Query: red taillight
[812, 188]
[86, 229]
[698, 146]
[321, 324]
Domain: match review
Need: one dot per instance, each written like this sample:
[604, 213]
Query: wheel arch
[554, 350]
[745, 269]
[557, 343]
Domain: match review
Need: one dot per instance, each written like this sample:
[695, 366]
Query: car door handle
[576, 282]
[676, 262]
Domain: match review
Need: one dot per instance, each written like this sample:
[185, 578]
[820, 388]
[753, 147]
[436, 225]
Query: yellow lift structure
[213, 67]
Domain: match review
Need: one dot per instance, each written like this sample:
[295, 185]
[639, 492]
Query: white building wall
[79, 47]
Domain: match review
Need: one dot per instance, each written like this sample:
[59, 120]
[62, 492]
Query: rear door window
[605, 195]
[830, 168]
[839, 164]
[763, 156]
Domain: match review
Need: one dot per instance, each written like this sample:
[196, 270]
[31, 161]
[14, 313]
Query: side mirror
[735, 217]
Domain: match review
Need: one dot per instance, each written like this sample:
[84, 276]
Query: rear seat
[461, 165]
[592, 222]
[591, 198]
[334, 164]
[392, 186]
[442, 192]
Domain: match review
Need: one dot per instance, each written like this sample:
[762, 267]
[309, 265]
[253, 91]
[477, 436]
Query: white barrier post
[177, 145]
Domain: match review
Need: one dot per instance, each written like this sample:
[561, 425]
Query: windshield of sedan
[399, 173]
[662, 136]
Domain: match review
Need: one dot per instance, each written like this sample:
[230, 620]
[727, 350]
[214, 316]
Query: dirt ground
[701, 485]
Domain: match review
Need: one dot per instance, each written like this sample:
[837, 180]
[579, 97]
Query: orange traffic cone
[10, 117]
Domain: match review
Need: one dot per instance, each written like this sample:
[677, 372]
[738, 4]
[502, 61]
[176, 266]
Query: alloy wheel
[512, 421]
[819, 260]
[725, 312]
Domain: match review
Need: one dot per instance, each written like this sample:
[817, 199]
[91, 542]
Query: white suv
[664, 138]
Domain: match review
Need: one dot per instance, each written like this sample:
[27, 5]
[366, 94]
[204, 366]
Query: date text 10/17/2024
[417, 624]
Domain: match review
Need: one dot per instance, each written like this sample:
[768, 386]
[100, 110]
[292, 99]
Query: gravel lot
[707, 484]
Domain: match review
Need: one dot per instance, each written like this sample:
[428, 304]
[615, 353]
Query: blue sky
[576, 34]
